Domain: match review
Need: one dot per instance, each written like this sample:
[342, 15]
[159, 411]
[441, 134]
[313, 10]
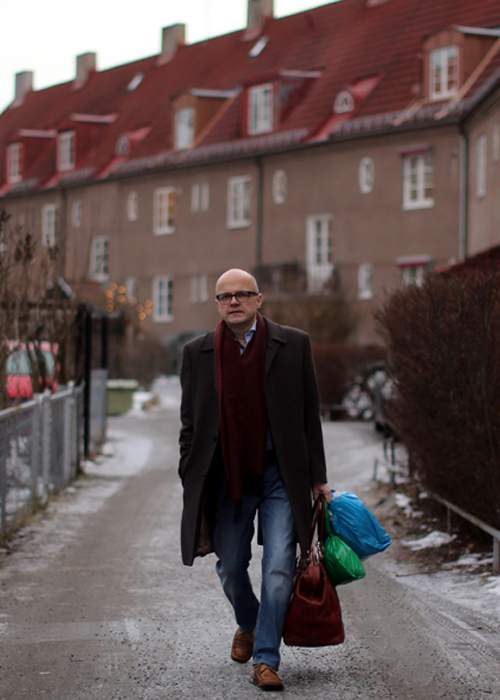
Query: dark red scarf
[242, 405]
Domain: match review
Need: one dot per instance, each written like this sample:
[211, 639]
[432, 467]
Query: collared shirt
[248, 336]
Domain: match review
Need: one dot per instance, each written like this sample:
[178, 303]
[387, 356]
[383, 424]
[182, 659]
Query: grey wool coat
[293, 416]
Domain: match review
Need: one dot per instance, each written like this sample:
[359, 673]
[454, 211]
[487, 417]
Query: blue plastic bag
[356, 525]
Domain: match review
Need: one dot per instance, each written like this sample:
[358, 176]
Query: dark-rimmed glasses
[240, 296]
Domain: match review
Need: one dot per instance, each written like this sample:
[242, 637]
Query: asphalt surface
[102, 608]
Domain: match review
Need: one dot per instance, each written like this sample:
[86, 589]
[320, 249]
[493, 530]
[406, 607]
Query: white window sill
[259, 131]
[163, 319]
[238, 224]
[96, 277]
[14, 179]
[365, 296]
[163, 231]
[422, 204]
[439, 97]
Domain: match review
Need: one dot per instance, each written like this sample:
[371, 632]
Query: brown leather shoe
[266, 677]
[242, 648]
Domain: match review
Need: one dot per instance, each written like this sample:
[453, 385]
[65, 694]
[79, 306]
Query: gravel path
[95, 604]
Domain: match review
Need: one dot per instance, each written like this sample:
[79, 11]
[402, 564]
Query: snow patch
[168, 390]
[475, 559]
[493, 585]
[433, 539]
[129, 455]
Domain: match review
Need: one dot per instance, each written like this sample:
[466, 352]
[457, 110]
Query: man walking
[250, 441]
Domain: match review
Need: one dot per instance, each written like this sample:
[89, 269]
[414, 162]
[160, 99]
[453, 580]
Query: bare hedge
[338, 364]
[443, 345]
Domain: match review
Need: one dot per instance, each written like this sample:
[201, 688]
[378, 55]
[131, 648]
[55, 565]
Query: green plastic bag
[342, 564]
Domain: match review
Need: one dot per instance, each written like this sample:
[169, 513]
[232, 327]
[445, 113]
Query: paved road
[94, 603]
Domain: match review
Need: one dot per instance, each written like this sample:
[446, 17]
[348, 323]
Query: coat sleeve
[314, 433]
[186, 432]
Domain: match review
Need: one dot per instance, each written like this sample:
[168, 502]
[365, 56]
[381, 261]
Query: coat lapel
[275, 339]
[208, 347]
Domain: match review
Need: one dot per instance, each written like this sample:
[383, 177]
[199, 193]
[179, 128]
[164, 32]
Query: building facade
[355, 146]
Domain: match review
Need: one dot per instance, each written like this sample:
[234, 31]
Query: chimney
[257, 13]
[86, 63]
[171, 38]
[23, 84]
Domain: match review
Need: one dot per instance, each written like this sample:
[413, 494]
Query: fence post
[496, 555]
[3, 484]
[46, 440]
[67, 431]
[35, 456]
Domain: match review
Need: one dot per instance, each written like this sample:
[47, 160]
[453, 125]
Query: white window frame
[239, 195]
[365, 281]
[184, 128]
[76, 213]
[131, 289]
[413, 275]
[132, 206]
[199, 288]
[200, 196]
[319, 251]
[279, 186]
[366, 175]
[418, 177]
[163, 298]
[481, 166]
[14, 163]
[49, 225]
[99, 259]
[439, 66]
[66, 151]
[163, 221]
[261, 109]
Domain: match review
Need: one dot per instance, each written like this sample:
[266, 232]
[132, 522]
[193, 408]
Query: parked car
[366, 398]
[27, 360]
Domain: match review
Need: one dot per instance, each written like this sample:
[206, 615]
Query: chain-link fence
[40, 446]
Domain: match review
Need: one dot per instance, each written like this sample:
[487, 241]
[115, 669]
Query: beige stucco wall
[484, 212]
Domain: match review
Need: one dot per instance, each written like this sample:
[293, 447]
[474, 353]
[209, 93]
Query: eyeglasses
[240, 296]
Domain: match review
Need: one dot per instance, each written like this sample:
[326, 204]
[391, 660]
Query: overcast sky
[46, 35]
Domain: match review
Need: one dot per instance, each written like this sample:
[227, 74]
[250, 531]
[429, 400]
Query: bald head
[239, 279]
[238, 310]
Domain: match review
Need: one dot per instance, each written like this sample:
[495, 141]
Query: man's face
[238, 313]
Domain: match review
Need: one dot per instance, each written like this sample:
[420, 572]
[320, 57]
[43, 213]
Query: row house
[354, 146]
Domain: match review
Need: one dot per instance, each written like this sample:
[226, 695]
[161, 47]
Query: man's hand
[324, 490]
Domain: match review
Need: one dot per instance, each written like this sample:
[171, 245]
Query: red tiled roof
[347, 42]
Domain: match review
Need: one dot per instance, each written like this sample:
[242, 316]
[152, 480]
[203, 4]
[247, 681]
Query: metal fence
[40, 447]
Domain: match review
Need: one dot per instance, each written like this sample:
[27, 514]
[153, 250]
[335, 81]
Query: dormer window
[14, 172]
[343, 102]
[66, 151]
[184, 128]
[122, 147]
[261, 109]
[443, 72]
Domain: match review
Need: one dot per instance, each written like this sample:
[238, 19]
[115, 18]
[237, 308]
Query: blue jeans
[232, 542]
